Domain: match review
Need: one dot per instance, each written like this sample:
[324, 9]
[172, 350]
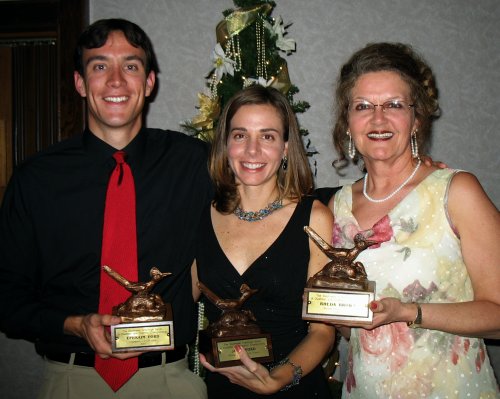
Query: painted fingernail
[373, 306]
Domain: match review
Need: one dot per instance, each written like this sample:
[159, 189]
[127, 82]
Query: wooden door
[5, 118]
[39, 105]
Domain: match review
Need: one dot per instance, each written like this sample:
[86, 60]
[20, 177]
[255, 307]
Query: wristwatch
[417, 323]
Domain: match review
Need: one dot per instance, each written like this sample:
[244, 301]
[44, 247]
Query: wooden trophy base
[345, 306]
[220, 352]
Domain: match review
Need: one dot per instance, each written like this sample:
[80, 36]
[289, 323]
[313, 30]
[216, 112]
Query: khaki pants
[167, 381]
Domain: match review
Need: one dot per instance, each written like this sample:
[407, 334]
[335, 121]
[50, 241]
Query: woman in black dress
[258, 162]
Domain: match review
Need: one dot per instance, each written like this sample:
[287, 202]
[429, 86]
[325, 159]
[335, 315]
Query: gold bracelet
[417, 323]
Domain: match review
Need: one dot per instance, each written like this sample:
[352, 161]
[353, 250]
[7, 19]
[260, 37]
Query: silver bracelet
[297, 372]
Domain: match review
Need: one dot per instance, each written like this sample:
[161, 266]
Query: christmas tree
[249, 46]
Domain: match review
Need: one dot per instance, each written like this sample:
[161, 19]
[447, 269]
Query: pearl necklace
[395, 191]
[259, 215]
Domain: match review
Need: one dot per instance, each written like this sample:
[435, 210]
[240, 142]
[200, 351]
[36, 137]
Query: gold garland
[238, 20]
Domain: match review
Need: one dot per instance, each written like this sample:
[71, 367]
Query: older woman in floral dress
[436, 266]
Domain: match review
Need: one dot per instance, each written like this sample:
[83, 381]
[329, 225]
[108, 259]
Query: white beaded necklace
[395, 191]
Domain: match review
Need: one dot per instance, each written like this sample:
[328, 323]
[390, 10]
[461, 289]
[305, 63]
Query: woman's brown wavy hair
[293, 183]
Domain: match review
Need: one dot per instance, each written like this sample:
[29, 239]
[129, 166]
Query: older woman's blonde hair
[293, 183]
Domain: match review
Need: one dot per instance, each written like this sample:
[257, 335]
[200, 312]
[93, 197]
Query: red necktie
[119, 252]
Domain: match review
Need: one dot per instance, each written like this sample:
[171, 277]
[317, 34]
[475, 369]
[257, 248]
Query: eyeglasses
[392, 107]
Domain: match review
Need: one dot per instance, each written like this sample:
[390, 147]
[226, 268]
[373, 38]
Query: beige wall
[459, 38]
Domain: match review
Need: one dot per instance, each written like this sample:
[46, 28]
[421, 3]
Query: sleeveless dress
[280, 275]
[419, 259]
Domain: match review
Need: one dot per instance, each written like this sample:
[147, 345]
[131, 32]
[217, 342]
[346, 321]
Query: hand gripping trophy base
[340, 291]
[146, 321]
[235, 326]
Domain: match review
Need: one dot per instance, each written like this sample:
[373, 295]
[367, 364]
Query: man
[51, 226]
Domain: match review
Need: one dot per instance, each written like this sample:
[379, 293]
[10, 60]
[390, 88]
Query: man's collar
[102, 151]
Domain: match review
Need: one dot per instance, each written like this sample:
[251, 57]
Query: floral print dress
[418, 259]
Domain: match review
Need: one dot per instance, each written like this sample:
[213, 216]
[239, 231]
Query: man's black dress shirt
[51, 231]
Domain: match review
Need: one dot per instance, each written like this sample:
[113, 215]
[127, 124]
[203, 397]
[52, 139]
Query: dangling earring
[414, 144]
[284, 163]
[351, 151]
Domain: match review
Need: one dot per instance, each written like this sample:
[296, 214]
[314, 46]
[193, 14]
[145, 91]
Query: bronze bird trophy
[234, 326]
[341, 291]
[146, 321]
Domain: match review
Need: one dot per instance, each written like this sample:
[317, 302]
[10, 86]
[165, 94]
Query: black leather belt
[145, 360]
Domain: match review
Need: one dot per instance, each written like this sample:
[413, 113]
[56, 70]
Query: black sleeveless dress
[280, 274]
